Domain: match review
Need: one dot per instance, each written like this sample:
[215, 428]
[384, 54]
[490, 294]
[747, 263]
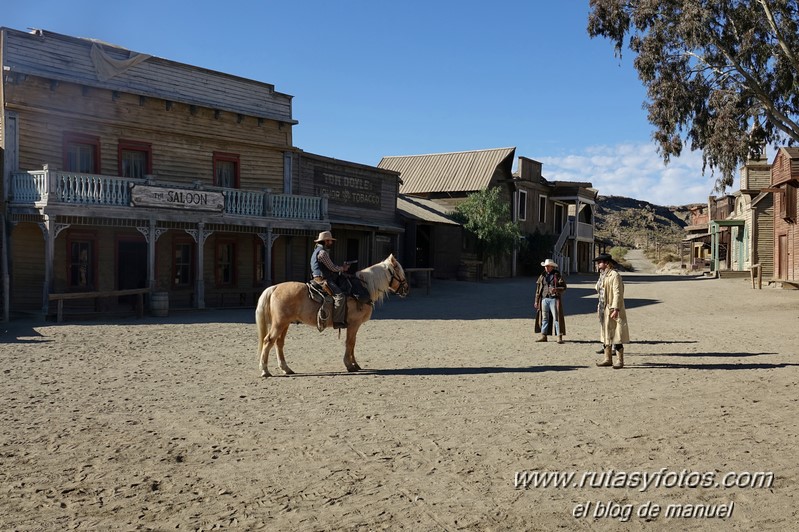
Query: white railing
[89, 189]
[564, 264]
[29, 187]
[41, 187]
[565, 233]
[585, 231]
[244, 202]
[297, 207]
[570, 229]
[45, 186]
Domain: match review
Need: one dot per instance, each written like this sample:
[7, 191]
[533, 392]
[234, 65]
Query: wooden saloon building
[125, 171]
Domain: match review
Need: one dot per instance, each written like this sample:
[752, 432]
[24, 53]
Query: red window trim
[134, 145]
[228, 157]
[80, 138]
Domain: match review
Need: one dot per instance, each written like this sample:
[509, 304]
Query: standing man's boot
[560, 338]
[608, 360]
[543, 338]
[620, 362]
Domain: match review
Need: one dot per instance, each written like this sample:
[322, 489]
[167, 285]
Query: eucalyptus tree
[720, 75]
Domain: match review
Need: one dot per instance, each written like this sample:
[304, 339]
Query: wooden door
[782, 254]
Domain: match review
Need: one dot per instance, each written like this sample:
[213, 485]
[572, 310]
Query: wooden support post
[757, 272]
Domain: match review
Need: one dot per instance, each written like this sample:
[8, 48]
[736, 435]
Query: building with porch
[785, 188]
[123, 170]
[562, 210]
[741, 225]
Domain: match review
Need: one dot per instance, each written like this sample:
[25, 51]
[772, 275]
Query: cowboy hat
[549, 262]
[325, 235]
[605, 257]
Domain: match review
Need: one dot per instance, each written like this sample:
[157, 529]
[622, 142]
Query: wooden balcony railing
[47, 187]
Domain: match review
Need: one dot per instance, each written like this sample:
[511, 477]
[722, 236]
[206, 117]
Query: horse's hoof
[265, 374]
[353, 369]
[288, 371]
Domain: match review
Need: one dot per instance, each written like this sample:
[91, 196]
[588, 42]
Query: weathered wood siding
[355, 192]
[764, 235]
[183, 139]
[784, 172]
[64, 58]
[26, 259]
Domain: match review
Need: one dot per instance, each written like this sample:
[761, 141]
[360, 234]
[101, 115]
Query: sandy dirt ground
[165, 423]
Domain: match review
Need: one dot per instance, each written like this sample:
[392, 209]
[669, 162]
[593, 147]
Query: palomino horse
[283, 304]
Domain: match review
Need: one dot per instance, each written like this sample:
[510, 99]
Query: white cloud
[635, 171]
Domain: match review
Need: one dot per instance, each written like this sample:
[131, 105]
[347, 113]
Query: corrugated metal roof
[423, 210]
[465, 171]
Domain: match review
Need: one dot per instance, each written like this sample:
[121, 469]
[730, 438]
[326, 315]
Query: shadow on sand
[445, 371]
[730, 366]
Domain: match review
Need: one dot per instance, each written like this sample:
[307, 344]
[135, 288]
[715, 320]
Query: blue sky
[372, 78]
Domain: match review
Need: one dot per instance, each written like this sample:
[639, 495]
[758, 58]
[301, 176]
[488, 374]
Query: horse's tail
[263, 316]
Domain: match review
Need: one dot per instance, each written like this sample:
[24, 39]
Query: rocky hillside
[638, 224]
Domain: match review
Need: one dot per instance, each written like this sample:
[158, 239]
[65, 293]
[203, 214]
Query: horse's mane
[376, 279]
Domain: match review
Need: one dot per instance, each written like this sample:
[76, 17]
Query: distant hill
[635, 223]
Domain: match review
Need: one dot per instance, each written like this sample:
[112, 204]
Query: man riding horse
[326, 273]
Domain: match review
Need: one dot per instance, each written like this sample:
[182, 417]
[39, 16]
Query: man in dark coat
[549, 288]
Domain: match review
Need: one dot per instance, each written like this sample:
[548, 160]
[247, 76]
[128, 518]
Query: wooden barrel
[159, 303]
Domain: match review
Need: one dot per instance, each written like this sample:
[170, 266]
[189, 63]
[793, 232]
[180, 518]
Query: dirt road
[164, 423]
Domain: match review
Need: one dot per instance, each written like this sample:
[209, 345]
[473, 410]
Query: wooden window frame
[93, 275]
[790, 202]
[192, 260]
[234, 158]
[542, 209]
[564, 217]
[521, 207]
[81, 138]
[134, 145]
[218, 266]
[258, 261]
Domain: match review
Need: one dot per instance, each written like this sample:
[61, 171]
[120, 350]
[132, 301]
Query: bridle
[402, 287]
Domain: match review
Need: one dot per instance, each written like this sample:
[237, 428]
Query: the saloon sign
[177, 198]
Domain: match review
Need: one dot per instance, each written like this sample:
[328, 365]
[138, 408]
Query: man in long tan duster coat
[611, 312]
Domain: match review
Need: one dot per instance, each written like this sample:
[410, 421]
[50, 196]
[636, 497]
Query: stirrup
[321, 318]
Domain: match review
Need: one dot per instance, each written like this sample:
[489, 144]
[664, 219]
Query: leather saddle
[350, 286]
[318, 292]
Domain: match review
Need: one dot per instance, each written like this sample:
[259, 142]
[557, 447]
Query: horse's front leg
[349, 351]
[280, 357]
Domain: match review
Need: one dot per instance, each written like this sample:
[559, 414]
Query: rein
[402, 284]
